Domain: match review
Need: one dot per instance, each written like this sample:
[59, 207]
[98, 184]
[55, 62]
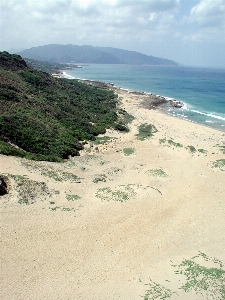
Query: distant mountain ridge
[89, 54]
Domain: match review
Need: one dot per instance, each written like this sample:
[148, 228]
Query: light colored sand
[100, 248]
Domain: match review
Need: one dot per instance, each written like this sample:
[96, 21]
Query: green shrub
[49, 117]
[146, 131]
[128, 151]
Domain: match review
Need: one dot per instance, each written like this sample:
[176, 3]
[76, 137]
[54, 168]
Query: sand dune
[108, 225]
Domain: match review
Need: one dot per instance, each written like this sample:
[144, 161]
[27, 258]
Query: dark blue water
[202, 90]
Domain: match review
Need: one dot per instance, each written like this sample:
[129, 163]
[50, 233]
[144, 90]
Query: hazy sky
[191, 32]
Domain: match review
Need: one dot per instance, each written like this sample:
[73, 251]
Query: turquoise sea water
[202, 90]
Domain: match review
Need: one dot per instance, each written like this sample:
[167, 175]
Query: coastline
[136, 208]
[150, 101]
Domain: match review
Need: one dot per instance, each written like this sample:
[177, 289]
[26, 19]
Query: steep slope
[90, 54]
[44, 118]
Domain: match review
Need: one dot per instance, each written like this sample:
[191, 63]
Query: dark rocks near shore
[153, 102]
[3, 187]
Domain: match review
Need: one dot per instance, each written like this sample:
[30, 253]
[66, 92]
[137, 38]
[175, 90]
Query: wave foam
[209, 115]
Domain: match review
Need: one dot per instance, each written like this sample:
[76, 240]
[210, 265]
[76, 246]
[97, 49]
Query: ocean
[202, 90]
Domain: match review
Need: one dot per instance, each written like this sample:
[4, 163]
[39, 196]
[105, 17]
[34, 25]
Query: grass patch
[72, 197]
[202, 151]
[128, 151]
[100, 178]
[157, 291]
[29, 191]
[162, 141]
[170, 142]
[124, 117]
[191, 149]
[101, 140]
[156, 173]
[60, 176]
[121, 194]
[196, 278]
[220, 164]
[146, 131]
[203, 279]
[221, 148]
[62, 208]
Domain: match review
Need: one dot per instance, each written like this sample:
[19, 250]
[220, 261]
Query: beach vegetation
[125, 117]
[192, 149]
[58, 175]
[120, 194]
[72, 197]
[29, 191]
[102, 140]
[146, 131]
[156, 173]
[157, 291]
[201, 276]
[221, 148]
[128, 151]
[100, 178]
[175, 144]
[46, 118]
[202, 151]
[220, 164]
[62, 208]
[162, 141]
[170, 142]
[123, 193]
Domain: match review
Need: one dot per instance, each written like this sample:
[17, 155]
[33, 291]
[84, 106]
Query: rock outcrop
[3, 187]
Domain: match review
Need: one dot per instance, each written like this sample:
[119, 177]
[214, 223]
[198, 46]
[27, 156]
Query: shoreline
[155, 101]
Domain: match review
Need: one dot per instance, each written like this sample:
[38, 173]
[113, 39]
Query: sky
[190, 32]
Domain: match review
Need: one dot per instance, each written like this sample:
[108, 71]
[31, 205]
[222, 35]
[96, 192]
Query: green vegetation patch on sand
[202, 151]
[191, 149]
[124, 116]
[29, 191]
[220, 164]
[102, 140]
[60, 176]
[70, 197]
[146, 131]
[128, 151]
[201, 275]
[49, 171]
[170, 142]
[100, 178]
[156, 173]
[62, 208]
[157, 291]
[121, 194]
[221, 148]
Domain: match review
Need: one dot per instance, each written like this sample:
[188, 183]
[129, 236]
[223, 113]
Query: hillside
[90, 54]
[47, 66]
[45, 118]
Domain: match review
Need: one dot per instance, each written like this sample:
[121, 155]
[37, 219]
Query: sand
[123, 222]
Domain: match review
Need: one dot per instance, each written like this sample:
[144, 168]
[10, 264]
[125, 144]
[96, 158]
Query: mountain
[46, 118]
[90, 54]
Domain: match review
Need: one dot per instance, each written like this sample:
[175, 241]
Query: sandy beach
[112, 223]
